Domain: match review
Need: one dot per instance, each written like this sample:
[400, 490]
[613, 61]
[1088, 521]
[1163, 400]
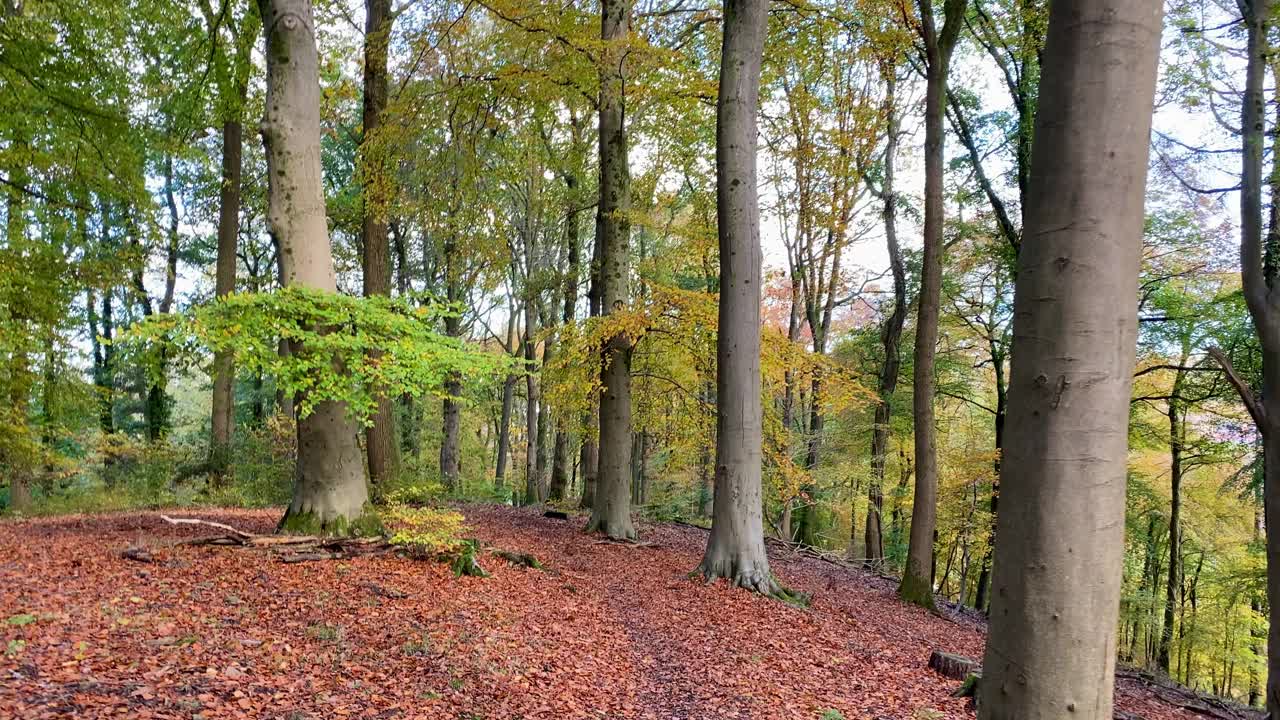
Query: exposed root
[622, 531]
[753, 580]
[629, 542]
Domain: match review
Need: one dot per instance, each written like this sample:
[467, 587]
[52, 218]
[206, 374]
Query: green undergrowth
[431, 533]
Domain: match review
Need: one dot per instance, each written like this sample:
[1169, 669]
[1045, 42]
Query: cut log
[953, 666]
[518, 558]
[138, 554]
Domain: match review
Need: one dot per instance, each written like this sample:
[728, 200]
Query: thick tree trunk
[917, 577]
[329, 491]
[735, 547]
[224, 377]
[1056, 582]
[1258, 273]
[611, 511]
[380, 437]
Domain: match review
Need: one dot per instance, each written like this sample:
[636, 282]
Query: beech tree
[611, 513]
[1060, 535]
[329, 490]
[735, 548]
[917, 577]
[380, 436]
[233, 67]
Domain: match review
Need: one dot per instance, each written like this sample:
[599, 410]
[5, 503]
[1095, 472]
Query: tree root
[752, 580]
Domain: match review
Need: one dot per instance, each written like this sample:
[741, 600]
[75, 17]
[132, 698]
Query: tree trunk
[1056, 582]
[735, 547]
[890, 334]
[504, 431]
[590, 450]
[451, 414]
[532, 488]
[329, 490]
[917, 578]
[380, 436]
[224, 376]
[611, 511]
[1176, 437]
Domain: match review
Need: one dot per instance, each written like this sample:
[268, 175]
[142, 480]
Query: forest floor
[605, 631]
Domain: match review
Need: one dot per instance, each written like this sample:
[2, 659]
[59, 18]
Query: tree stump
[953, 666]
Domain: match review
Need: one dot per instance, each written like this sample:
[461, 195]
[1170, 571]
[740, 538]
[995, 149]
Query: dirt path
[608, 631]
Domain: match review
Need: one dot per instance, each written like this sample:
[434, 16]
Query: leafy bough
[342, 348]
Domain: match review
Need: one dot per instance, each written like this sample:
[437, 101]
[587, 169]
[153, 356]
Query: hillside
[607, 630]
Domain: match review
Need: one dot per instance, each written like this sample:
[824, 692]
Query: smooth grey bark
[890, 334]
[611, 511]
[735, 547]
[917, 577]
[380, 436]
[329, 490]
[1051, 648]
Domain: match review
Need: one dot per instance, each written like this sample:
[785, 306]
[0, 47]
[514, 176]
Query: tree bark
[590, 449]
[451, 415]
[611, 511]
[532, 491]
[735, 547]
[1258, 273]
[1177, 435]
[560, 464]
[890, 334]
[380, 436]
[1056, 582]
[329, 491]
[224, 377]
[917, 577]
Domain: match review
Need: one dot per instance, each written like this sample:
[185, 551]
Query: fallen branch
[232, 532]
[299, 557]
[627, 543]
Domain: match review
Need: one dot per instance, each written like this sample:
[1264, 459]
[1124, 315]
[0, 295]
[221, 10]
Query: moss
[917, 591]
[970, 687]
[463, 560]
[367, 524]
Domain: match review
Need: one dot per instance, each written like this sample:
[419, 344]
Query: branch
[1256, 411]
